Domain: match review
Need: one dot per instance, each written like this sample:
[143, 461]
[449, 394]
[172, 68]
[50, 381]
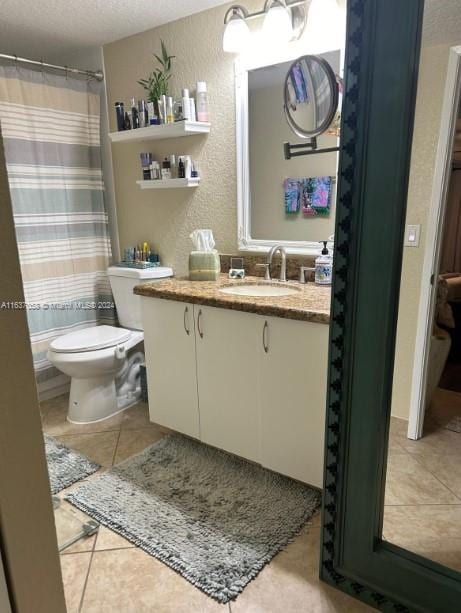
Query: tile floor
[107, 574]
[423, 487]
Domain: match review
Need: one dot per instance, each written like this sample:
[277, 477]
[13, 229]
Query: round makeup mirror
[310, 96]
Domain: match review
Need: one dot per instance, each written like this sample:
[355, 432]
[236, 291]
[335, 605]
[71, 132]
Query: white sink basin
[260, 290]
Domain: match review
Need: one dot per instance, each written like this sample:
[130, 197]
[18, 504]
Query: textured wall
[165, 218]
[431, 85]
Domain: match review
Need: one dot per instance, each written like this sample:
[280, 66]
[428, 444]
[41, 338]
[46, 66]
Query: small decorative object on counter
[204, 261]
[324, 266]
[236, 270]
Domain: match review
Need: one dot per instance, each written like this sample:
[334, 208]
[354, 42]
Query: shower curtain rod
[98, 75]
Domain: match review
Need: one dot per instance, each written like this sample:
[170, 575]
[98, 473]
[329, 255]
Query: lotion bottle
[202, 101]
[324, 267]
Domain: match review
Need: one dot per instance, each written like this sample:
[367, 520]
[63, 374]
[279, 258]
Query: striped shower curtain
[51, 135]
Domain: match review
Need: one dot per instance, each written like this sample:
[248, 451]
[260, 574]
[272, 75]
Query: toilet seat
[90, 339]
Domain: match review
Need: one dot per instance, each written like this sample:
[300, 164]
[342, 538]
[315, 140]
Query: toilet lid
[90, 339]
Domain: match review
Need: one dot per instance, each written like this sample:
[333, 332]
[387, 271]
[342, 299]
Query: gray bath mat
[212, 517]
[454, 424]
[66, 466]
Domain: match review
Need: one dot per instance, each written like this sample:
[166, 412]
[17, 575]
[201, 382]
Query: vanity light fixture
[284, 21]
[277, 25]
[236, 32]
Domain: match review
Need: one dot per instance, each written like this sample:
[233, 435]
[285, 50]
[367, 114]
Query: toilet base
[98, 398]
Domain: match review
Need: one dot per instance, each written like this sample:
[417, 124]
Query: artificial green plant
[156, 83]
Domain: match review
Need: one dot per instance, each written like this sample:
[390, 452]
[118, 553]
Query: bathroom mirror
[310, 96]
[392, 503]
[275, 194]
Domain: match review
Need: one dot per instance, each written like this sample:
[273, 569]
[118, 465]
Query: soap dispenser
[324, 266]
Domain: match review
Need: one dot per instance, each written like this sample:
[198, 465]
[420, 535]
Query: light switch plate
[412, 233]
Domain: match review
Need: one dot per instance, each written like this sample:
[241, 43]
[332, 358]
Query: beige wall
[433, 69]
[27, 533]
[165, 218]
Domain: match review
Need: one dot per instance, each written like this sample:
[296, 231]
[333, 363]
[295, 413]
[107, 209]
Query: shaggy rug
[66, 466]
[214, 518]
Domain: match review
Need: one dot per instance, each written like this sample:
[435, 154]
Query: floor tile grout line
[437, 478]
[87, 575]
[116, 447]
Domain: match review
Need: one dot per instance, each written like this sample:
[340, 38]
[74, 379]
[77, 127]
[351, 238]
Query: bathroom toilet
[104, 375]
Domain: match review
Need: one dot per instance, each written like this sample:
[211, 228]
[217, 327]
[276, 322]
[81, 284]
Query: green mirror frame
[382, 59]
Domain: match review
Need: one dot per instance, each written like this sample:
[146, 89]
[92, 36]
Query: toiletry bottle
[202, 101]
[169, 110]
[166, 169]
[152, 117]
[142, 114]
[120, 114]
[173, 167]
[194, 170]
[193, 115]
[181, 169]
[127, 122]
[324, 266]
[185, 104]
[134, 114]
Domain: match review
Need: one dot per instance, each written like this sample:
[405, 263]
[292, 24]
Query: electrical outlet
[412, 234]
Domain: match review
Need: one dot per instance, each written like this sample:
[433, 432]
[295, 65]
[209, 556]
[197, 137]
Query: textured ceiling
[44, 28]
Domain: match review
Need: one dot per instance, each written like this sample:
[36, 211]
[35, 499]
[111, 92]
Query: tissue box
[204, 265]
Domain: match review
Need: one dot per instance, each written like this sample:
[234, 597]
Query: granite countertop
[311, 303]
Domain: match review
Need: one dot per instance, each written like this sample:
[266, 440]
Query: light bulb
[277, 25]
[326, 25]
[236, 34]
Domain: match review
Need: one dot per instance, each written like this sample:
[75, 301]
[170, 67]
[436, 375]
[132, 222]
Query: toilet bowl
[104, 361]
[105, 380]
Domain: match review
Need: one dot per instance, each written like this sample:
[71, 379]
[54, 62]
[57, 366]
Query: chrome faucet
[283, 265]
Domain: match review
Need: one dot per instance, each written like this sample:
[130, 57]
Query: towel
[316, 195]
[292, 196]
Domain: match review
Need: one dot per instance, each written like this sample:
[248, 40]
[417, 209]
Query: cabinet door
[169, 340]
[227, 356]
[293, 370]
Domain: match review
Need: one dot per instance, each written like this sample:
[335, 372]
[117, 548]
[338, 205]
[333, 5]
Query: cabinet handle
[186, 317]
[265, 337]
[199, 321]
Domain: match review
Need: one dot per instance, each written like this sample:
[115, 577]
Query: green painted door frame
[382, 59]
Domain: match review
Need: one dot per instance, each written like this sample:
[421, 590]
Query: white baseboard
[54, 387]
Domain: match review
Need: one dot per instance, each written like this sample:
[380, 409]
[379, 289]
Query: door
[435, 226]
[293, 358]
[227, 380]
[169, 340]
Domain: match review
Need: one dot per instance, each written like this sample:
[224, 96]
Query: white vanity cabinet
[254, 386]
[228, 389]
[169, 343]
[293, 361]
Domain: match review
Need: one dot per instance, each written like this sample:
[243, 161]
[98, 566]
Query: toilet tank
[122, 281]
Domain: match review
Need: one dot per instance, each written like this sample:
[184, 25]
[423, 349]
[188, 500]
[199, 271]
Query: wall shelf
[168, 183]
[168, 130]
